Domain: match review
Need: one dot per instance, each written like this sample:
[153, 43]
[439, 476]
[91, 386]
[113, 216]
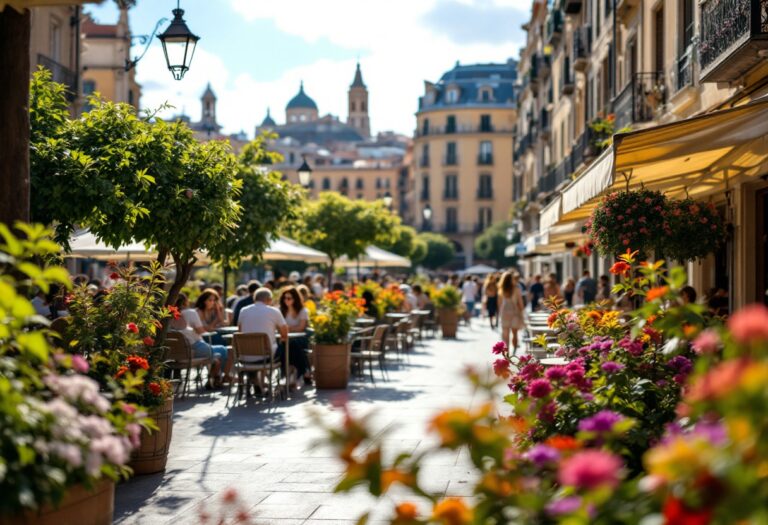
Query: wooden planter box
[152, 454]
[332, 364]
[79, 506]
[449, 321]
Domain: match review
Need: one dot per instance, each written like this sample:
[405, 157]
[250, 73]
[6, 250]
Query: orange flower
[620, 268]
[519, 424]
[595, 315]
[497, 485]
[563, 443]
[656, 293]
[452, 511]
[446, 422]
[390, 476]
[406, 511]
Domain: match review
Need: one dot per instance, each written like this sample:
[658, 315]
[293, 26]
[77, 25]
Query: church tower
[208, 120]
[358, 105]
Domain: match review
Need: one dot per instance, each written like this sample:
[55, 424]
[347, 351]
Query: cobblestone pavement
[267, 452]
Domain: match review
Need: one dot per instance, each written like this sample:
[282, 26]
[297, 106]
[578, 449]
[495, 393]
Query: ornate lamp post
[427, 214]
[388, 200]
[305, 172]
[178, 44]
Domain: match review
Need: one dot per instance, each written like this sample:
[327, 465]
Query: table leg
[288, 368]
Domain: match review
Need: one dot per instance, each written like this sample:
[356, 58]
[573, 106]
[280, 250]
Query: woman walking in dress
[490, 291]
[511, 309]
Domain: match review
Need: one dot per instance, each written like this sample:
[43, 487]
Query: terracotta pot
[152, 454]
[80, 506]
[449, 321]
[331, 365]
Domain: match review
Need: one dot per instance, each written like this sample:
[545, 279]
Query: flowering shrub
[117, 332]
[697, 230]
[56, 428]
[637, 219]
[447, 297]
[335, 317]
[385, 300]
[584, 250]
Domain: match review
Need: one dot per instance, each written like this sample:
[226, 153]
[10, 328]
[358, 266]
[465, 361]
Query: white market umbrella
[85, 245]
[375, 257]
[479, 269]
[284, 249]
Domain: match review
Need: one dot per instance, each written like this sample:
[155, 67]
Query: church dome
[268, 121]
[301, 101]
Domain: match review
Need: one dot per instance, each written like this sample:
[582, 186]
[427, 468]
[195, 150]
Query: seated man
[262, 317]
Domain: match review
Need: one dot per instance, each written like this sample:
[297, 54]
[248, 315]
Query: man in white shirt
[262, 317]
[469, 295]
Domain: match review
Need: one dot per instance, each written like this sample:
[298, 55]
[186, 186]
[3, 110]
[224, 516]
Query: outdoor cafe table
[393, 317]
[365, 321]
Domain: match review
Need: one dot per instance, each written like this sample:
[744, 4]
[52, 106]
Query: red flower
[135, 362]
[155, 388]
[551, 319]
[114, 276]
[620, 268]
[131, 327]
[501, 367]
[676, 513]
[174, 311]
[148, 341]
[121, 372]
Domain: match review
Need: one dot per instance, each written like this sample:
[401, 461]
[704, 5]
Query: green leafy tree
[492, 243]
[339, 226]
[440, 250]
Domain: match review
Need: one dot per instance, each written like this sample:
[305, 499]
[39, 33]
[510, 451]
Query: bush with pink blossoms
[56, 428]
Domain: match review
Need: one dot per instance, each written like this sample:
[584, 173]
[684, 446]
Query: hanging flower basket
[697, 230]
[630, 219]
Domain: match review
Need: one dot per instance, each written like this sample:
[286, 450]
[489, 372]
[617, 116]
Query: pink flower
[539, 388]
[706, 343]
[500, 347]
[555, 373]
[750, 324]
[131, 327]
[79, 364]
[590, 469]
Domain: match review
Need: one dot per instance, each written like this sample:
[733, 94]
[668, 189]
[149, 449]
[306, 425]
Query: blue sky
[254, 53]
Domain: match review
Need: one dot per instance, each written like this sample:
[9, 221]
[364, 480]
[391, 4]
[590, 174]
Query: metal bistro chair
[372, 348]
[180, 358]
[257, 351]
[430, 320]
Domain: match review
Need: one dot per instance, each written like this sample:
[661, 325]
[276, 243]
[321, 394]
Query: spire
[358, 81]
[208, 92]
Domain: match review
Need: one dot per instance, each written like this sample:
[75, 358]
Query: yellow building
[462, 152]
[648, 64]
[105, 56]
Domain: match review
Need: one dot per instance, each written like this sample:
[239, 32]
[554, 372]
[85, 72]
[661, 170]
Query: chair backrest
[379, 337]
[254, 344]
[178, 348]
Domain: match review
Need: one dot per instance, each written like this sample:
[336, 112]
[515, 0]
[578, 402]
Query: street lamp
[388, 200]
[178, 44]
[427, 212]
[305, 172]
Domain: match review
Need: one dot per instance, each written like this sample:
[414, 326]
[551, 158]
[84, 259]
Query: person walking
[586, 288]
[511, 309]
[490, 293]
[568, 290]
[536, 292]
[469, 296]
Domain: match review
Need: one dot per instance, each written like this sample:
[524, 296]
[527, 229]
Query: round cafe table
[394, 317]
[364, 321]
[227, 329]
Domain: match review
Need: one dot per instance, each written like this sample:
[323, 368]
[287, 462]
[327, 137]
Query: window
[687, 25]
[484, 218]
[425, 155]
[302, 117]
[451, 187]
[658, 40]
[131, 99]
[425, 127]
[359, 184]
[326, 183]
[452, 96]
[363, 106]
[450, 124]
[485, 186]
[291, 157]
[89, 86]
[450, 154]
[378, 183]
[352, 105]
[451, 220]
[486, 94]
[55, 39]
[343, 186]
[425, 187]
[311, 185]
[485, 123]
[486, 152]
[386, 183]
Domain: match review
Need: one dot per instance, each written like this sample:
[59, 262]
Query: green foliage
[440, 250]
[56, 429]
[492, 243]
[447, 297]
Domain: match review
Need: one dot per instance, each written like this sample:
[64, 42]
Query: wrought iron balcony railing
[450, 159]
[640, 99]
[582, 47]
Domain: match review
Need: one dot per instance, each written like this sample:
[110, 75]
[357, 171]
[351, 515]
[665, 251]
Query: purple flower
[681, 364]
[542, 454]
[500, 347]
[603, 421]
[555, 373]
[713, 431]
[539, 388]
[633, 347]
[611, 367]
[565, 505]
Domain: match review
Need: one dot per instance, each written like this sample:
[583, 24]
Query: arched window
[359, 184]
[326, 183]
[362, 106]
[352, 105]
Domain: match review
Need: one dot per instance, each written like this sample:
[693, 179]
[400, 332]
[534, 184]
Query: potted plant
[447, 300]
[697, 230]
[63, 444]
[117, 331]
[332, 322]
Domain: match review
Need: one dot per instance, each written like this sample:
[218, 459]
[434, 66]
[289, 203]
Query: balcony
[683, 72]
[523, 144]
[450, 159]
[582, 47]
[554, 27]
[544, 124]
[572, 7]
[485, 159]
[640, 99]
[61, 75]
[566, 79]
[466, 130]
[732, 34]
[424, 162]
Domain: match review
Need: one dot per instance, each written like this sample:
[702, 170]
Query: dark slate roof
[469, 79]
[301, 100]
[321, 132]
[268, 122]
[208, 91]
[358, 81]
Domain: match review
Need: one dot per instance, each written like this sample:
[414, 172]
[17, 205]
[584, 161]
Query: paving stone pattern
[268, 453]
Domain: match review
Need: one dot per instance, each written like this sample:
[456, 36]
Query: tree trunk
[330, 273]
[14, 116]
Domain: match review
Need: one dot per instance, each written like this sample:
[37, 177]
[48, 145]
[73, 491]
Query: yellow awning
[550, 214]
[28, 4]
[697, 156]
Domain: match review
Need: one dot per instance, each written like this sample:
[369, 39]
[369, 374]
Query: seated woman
[191, 327]
[211, 313]
[297, 319]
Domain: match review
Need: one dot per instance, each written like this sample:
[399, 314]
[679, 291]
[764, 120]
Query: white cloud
[398, 52]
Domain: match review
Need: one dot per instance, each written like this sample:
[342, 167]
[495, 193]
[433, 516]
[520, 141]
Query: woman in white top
[297, 319]
[511, 308]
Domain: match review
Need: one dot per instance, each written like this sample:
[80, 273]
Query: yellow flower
[680, 457]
